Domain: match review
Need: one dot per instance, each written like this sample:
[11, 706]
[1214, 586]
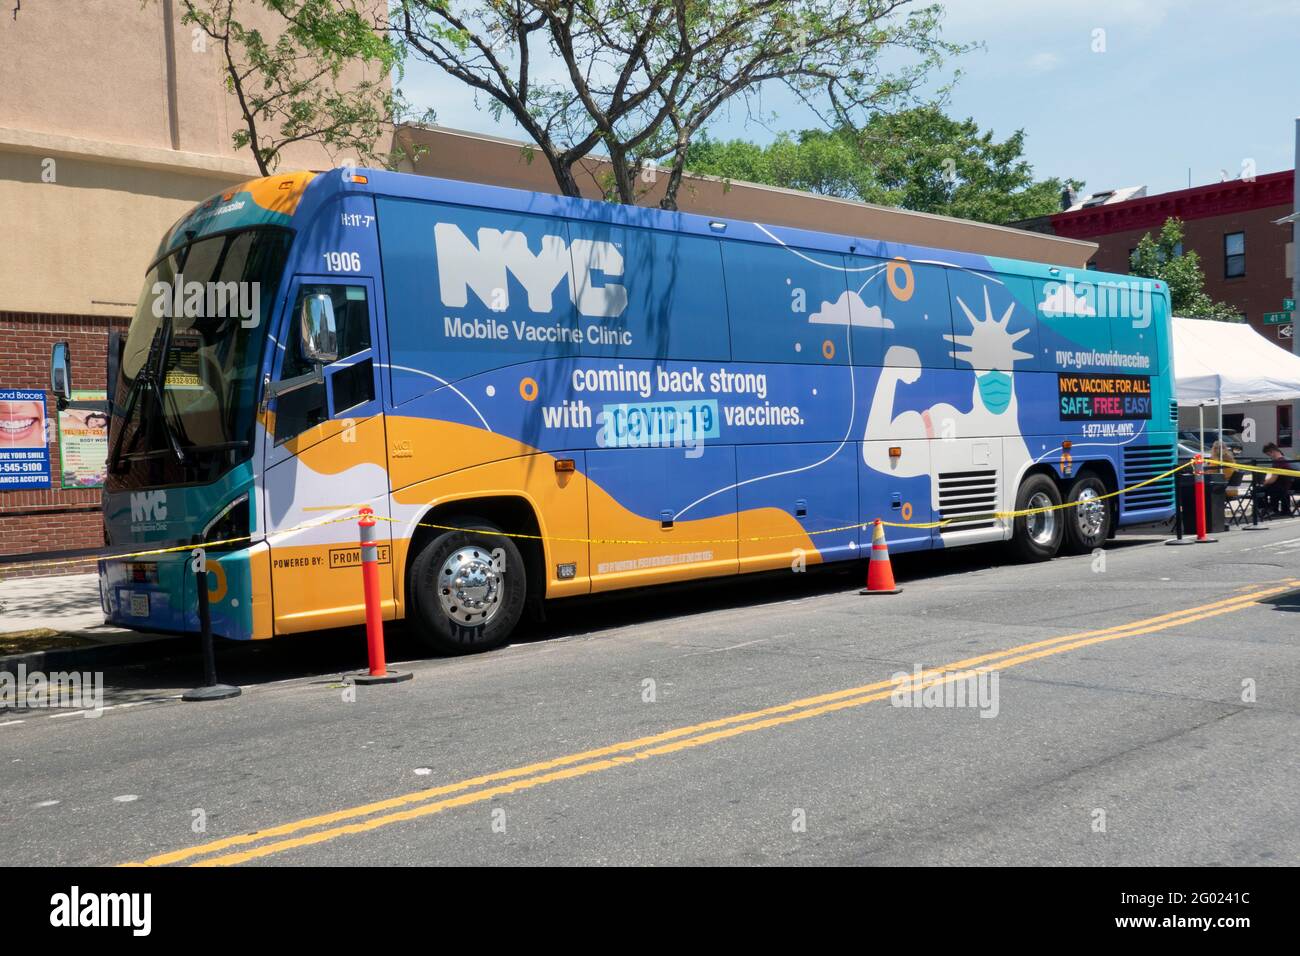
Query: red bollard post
[1198, 468]
[379, 672]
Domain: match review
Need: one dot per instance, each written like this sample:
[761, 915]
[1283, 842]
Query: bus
[543, 397]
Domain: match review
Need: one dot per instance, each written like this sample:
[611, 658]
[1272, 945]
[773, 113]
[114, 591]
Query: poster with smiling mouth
[24, 454]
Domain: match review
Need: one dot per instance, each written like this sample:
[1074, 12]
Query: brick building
[1247, 258]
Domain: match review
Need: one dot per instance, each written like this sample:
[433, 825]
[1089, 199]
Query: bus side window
[899, 304]
[297, 411]
[786, 304]
[676, 306]
[1010, 342]
[1070, 335]
[1135, 311]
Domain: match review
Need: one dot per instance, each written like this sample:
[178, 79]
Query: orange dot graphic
[828, 349]
[216, 582]
[901, 287]
[528, 389]
[907, 511]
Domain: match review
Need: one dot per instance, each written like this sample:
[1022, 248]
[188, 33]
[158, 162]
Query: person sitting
[1221, 452]
[1234, 494]
[1274, 492]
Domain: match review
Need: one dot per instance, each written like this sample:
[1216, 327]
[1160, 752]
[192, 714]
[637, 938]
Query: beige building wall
[89, 226]
[114, 120]
[112, 71]
[454, 154]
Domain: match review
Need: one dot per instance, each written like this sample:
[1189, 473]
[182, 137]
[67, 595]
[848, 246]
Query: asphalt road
[1145, 712]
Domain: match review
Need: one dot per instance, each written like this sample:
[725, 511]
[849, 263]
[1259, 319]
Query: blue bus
[543, 397]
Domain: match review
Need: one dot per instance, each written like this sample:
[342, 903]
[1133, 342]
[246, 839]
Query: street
[1145, 711]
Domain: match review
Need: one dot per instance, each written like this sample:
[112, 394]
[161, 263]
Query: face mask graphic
[995, 391]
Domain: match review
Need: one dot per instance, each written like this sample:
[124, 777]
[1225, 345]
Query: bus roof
[280, 199]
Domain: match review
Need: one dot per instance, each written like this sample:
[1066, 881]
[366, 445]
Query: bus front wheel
[1037, 536]
[468, 589]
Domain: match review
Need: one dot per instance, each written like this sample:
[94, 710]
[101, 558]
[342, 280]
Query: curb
[94, 658]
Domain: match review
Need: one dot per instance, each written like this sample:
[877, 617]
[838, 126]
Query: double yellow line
[365, 818]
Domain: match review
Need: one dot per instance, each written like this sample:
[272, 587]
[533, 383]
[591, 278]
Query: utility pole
[1295, 275]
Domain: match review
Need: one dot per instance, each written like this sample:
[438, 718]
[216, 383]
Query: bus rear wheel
[1037, 537]
[1087, 524]
[468, 589]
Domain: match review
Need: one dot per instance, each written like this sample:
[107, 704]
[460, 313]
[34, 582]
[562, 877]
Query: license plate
[140, 605]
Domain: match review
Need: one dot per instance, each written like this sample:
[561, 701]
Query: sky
[1182, 87]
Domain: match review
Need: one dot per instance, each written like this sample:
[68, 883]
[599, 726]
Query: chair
[1236, 495]
[1258, 497]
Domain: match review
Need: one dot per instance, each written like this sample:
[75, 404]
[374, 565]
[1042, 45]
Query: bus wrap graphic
[1104, 397]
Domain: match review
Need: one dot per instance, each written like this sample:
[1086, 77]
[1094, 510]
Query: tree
[1163, 258]
[828, 165]
[637, 81]
[917, 159]
[290, 85]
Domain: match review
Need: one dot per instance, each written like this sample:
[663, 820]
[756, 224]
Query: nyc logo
[148, 506]
[463, 266]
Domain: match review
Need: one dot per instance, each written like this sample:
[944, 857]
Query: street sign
[1277, 318]
[1288, 305]
[1285, 331]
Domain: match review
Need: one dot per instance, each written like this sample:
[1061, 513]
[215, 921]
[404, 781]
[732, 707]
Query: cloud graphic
[1060, 299]
[849, 309]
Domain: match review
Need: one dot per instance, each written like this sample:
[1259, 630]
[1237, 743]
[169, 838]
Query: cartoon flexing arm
[903, 366]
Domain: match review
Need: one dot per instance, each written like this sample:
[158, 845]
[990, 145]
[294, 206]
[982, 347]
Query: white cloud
[1044, 62]
[1061, 299]
[849, 309]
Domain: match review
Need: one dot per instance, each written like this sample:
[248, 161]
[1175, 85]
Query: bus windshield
[185, 400]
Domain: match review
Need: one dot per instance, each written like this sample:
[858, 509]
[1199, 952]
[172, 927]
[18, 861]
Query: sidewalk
[56, 613]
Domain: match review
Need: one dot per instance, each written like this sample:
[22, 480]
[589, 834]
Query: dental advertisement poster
[24, 454]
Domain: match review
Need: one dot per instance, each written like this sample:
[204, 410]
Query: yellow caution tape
[751, 539]
[747, 539]
[153, 552]
[1237, 466]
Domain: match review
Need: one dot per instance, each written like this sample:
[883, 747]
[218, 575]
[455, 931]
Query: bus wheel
[1087, 525]
[468, 589]
[1037, 537]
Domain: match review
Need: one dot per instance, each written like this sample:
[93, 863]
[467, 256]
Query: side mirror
[61, 373]
[320, 342]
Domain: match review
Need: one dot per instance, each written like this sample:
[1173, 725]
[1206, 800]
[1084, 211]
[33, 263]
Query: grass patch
[38, 639]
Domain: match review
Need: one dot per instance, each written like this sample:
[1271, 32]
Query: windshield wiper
[191, 449]
[159, 382]
[149, 375]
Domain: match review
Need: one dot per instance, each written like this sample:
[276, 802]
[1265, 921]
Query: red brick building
[53, 518]
[1246, 257]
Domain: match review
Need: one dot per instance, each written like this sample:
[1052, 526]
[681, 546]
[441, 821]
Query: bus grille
[1141, 463]
[1173, 413]
[968, 499]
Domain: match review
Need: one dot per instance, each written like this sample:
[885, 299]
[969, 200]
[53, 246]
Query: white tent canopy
[1229, 363]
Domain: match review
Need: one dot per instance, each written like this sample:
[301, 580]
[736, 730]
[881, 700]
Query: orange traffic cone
[880, 573]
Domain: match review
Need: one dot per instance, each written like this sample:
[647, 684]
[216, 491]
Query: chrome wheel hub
[470, 585]
[1090, 513]
[1041, 526]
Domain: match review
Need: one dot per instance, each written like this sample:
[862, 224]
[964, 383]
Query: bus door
[324, 455]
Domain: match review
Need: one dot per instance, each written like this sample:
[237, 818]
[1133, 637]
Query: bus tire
[1087, 525]
[468, 589]
[1037, 537]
